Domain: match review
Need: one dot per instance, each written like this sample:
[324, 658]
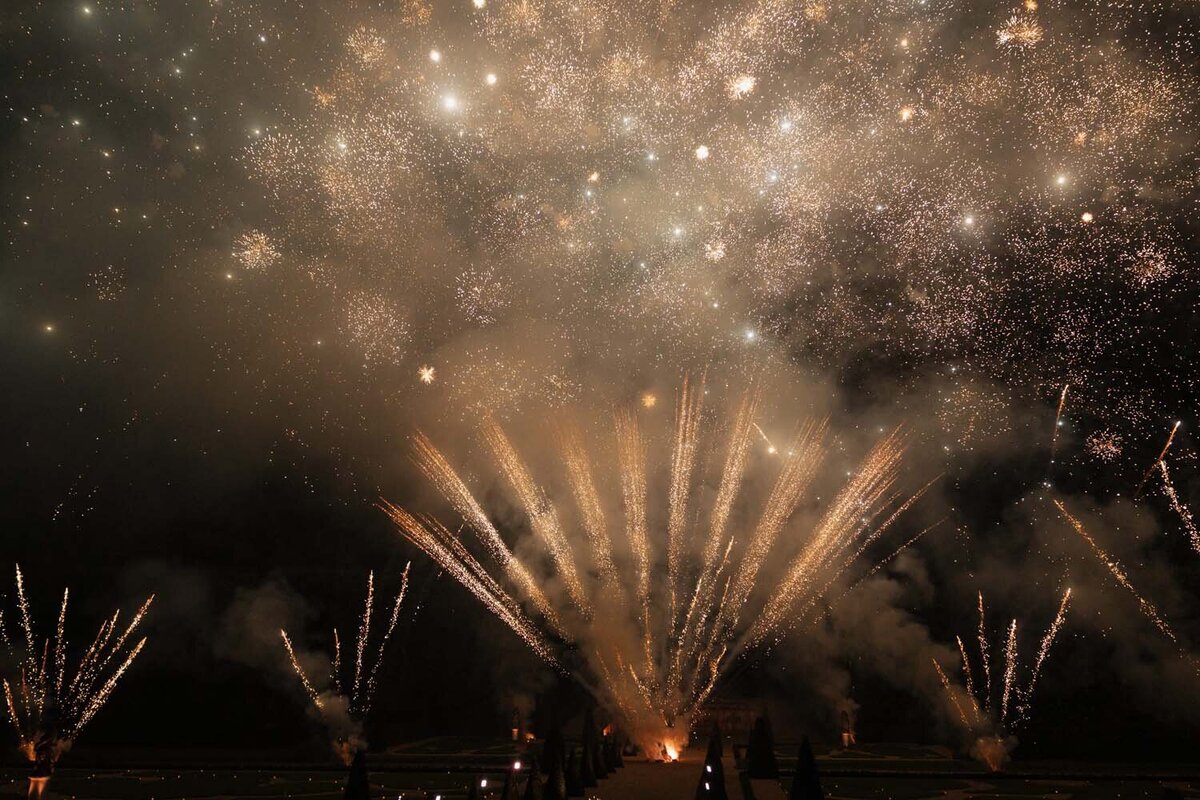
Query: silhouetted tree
[556, 780]
[511, 790]
[592, 753]
[575, 787]
[806, 784]
[712, 774]
[554, 750]
[533, 786]
[358, 785]
[760, 755]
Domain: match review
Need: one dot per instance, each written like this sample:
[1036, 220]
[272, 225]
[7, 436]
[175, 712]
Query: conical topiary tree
[611, 753]
[533, 785]
[358, 786]
[587, 771]
[806, 784]
[556, 780]
[718, 738]
[712, 775]
[553, 750]
[511, 789]
[592, 747]
[760, 755]
[575, 787]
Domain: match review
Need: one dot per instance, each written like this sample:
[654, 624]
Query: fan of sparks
[984, 713]
[346, 701]
[658, 611]
[49, 699]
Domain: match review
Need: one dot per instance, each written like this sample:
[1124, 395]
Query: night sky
[250, 248]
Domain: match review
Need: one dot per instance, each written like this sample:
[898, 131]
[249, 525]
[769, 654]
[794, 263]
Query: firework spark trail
[97, 701]
[887, 560]
[879, 530]
[60, 644]
[632, 456]
[1062, 402]
[1161, 456]
[444, 548]
[737, 450]
[438, 470]
[683, 461]
[985, 656]
[951, 693]
[304, 679]
[1118, 573]
[26, 623]
[1016, 701]
[1185, 513]
[654, 672]
[591, 512]
[806, 453]
[1044, 651]
[763, 435]
[39, 684]
[364, 631]
[387, 633]
[969, 677]
[542, 515]
[1010, 670]
[344, 714]
[335, 666]
[850, 513]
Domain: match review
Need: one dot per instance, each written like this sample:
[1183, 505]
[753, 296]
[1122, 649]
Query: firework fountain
[49, 699]
[657, 617]
[344, 701]
[992, 708]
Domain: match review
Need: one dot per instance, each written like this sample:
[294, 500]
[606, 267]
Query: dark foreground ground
[448, 766]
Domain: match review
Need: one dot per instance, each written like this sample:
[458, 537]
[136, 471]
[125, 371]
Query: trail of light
[42, 685]
[1185, 513]
[985, 657]
[805, 454]
[968, 677]
[1118, 573]
[657, 663]
[1044, 650]
[632, 457]
[587, 500]
[335, 667]
[683, 461]
[1010, 670]
[1161, 455]
[737, 449]
[851, 511]
[445, 549]
[308, 686]
[950, 693]
[439, 471]
[60, 644]
[364, 631]
[1062, 401]
[542, 515]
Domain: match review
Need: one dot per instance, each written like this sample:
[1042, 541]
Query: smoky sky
[233, 234]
